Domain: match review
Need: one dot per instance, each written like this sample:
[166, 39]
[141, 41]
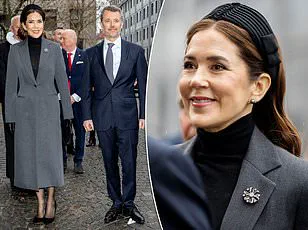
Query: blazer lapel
[100, 56]
[65, 60]
[76, 58]
[25, 57]
[261, 158]
[45, 50]
[124, 57]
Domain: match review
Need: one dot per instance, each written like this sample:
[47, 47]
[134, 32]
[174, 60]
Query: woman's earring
[252, 101]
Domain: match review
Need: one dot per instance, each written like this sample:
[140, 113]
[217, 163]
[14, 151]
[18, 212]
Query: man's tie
[69, 65]
[109, 63]
[69, 61]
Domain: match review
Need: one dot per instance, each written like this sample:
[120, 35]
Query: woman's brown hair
[31, 8]
[269, 113]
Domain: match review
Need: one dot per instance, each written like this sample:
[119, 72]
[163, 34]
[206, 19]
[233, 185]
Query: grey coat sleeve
[62, 84]
[11, 87]
[301, 216]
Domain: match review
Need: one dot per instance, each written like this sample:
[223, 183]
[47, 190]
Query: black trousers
[9, 145]
[117, 143]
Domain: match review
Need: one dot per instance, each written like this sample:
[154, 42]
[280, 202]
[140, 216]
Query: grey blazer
[282, 180]
[33, 105]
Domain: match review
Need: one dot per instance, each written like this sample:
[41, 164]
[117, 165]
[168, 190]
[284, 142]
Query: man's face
[112, 25]
[15, 26]
[68, 42]
[58, 36]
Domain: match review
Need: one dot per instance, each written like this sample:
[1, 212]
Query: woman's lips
[200, 101]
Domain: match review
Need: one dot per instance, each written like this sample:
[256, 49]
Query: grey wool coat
[33, 105]
[282, 180]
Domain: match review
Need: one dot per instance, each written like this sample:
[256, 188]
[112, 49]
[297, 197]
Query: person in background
[57, 35]
[67, 134]
[187, 130]
[11, 39]
[35, 73]
[178, 188]
[75, 67]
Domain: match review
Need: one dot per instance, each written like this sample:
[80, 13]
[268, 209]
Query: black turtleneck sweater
[219, 157]
[35, 53]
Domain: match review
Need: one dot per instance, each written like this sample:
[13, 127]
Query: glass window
[156, 7]
[152, 8]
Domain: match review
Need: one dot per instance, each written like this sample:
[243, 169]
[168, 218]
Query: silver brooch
[45, 50]
[251, 195]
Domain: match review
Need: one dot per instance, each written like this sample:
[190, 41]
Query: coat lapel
[25, 57]
[45, 50]
[259, 170]
[76, 58]
[261, 158]
[65, 60]
[100, 56]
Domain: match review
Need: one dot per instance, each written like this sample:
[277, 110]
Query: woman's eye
[189, 65]
[217, 67]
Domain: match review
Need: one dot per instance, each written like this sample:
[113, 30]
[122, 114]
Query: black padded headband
[258, 28]
[31, 7]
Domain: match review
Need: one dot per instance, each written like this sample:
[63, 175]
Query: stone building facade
[140, 18]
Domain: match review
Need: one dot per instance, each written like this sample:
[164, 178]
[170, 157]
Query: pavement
[82, 202]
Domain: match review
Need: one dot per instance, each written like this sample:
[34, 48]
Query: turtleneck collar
[232, 140]
[219, 157]
[33, 40]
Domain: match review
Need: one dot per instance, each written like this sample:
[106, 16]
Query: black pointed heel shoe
[37, 220]
[48, 220]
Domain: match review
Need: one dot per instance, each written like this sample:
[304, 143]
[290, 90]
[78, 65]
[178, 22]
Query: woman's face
[34, 25]
[215, 85]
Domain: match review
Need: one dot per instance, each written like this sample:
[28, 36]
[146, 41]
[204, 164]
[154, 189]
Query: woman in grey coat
[246, 149]
[36, 73]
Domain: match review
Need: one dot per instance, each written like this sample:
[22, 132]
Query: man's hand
[141, 123]
[72, 100]
[88, 125]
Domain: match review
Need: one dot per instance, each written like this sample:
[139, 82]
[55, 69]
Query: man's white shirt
[76, 97]
[116, 52]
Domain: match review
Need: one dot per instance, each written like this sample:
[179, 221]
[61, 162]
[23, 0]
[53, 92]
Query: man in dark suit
[178, 188]
[67, 135]
[75, 67]
[11, 38]
[114, 66]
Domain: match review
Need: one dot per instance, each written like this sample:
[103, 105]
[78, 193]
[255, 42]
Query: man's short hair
[112, 8]
[16, 17]
[58, 28]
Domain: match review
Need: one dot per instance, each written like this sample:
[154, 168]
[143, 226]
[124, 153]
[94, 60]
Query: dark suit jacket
[4, 53]
[282, 180]
[114, 105]
[178, 188]
[78, 69]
